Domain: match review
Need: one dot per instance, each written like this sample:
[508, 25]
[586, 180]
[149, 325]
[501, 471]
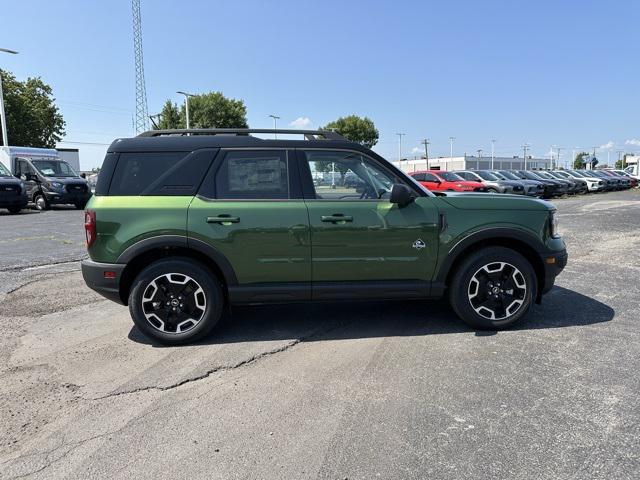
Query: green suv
[184, 223]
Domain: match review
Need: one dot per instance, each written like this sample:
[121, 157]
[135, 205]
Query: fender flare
[490, 233]
[180, 241]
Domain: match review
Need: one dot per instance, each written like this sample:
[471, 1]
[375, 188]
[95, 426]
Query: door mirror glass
[401, 195]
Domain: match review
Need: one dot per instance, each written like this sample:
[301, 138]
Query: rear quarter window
[159, 173]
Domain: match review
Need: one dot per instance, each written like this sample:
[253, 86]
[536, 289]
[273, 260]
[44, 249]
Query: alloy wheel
[497, 290]
[174, 303]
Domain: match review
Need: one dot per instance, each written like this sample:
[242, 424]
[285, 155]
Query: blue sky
[542, 72]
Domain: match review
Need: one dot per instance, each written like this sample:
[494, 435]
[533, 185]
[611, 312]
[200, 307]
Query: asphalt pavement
[356, 390]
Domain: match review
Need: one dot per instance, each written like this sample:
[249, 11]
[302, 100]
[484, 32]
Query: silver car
[492, 182]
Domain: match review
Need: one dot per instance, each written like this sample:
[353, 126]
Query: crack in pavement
[26, 268]
[210, 372]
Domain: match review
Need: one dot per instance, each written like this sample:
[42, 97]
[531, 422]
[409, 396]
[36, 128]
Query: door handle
[223, 219]
[336, 217]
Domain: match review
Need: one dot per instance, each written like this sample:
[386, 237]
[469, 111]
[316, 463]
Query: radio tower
[142, 116]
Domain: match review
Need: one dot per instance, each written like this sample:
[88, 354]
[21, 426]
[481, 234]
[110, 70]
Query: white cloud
[301, 122]
[633, 141]
[607, 146]
[416, 150]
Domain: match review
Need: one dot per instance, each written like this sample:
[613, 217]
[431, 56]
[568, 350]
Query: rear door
[250, 210]
[358, 236]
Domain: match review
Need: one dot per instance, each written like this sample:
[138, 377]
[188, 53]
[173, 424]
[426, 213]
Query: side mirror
[401, 195]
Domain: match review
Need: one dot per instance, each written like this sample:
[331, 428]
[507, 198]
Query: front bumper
[553, 263]
[107, 286]
[66, 198]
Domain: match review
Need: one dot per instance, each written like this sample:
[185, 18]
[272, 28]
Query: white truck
[49, 180]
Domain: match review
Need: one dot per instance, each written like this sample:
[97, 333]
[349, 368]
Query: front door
[27, 174]
[250, 209]
[357, 235]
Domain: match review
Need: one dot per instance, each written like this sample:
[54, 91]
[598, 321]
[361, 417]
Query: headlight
[56, 185]
[553, 224]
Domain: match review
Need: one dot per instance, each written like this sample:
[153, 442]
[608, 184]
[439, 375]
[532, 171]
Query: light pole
[493, 151]
[400, 135]
[275, 125]
[525, 147]
[186, 105]
[479, 158]
[451, 139]
[621, 160]
[3, 118]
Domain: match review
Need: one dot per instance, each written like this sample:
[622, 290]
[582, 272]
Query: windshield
[54, 168]
[509, 175]
[545, 175]
[451, 177]
[530, 175]
[3, 171]
[487, 176]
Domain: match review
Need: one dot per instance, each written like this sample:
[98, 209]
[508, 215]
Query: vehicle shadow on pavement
[359, 319]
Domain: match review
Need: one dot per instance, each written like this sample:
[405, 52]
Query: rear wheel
[493, 288]
[176, 301]
[492, 190]
[80, 205]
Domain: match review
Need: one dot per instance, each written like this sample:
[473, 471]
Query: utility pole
[400, 135]
[620, 159]
[525, 147]
[3, 117]
[425, 142]
[558, 149]
[186, 104]
[493, 151]
[479, 158]
[275, 125]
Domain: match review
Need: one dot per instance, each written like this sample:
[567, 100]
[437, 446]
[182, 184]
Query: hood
[67, 180]
[489, 201]
[9, 181]
[511, 183]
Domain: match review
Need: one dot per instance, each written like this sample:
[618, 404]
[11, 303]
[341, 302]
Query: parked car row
[39, 176]
[535, 183]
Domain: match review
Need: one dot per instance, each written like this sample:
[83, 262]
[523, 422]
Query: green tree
[579, 161]
[170, 117]
[355, 128]
[209, 110]
[33, 119]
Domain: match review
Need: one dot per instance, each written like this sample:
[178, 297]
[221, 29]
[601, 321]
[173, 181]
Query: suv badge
[418, 244]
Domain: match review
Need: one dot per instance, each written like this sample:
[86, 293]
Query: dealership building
[471, 162]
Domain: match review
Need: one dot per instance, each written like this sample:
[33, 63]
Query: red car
[439, 180]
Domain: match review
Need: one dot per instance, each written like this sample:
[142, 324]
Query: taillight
[90, 226]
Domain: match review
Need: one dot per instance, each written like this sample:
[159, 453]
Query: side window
[430, 177]
[419, 177]
[260, 175]
[135, 172]
[342, 175]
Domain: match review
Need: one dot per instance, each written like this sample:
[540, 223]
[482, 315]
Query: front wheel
[176, 301]
[493, 288]
[41, 202]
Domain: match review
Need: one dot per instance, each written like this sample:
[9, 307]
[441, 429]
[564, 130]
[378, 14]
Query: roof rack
[308, 134]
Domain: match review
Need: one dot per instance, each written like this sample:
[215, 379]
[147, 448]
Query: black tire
[468, 295]
[492, 190]
[14, 210]
[41, 202]
[80, 205]
[203, 319]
